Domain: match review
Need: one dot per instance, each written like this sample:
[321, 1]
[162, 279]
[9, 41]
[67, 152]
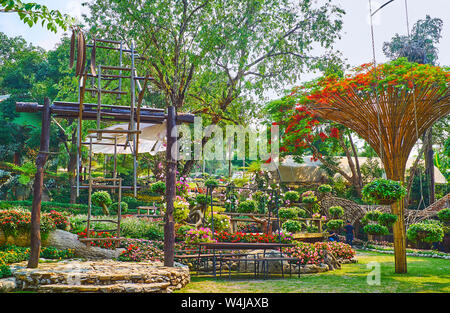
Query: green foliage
[312, 229]
[444, 215]
[383, 191]
[336, 211]
[247, 206]
[115, 207]
[183, 229]
[309, 199]
[140, 228]
[291, 196]
[5, 271]
[325, 188]
[202, 199]
[301, 213]
[287, 213]
[211, 183]
[426, 232]
[292, 226]
[103, 199]
[387, 219]
[180, 210]
[221, 222]
[335, 225]
[373, 215]
[375, 229]
[158, 187]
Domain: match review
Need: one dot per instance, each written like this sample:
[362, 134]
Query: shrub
[212, 183]
[61, 221]
[324, 188]
[375, 229]
[115, 207]
[291, 196]
[16, 222]
[5, 271]
[202, 234]
[253, 237]
[426, 232]
[335, 225]
[287, 213]
[292, 226]
[247, 206]
[141, 228]
[102, 199]
[221, 222]
[373, 215]
[308, 253]
[444, 215]
[106, 244]
[180, 209]
[158, 188]
[312, 229]
[383, 191]
[336, 211]
[387, 219]
[308, 193]
[202, 199]
[300, 212]
[310, 199]
[183, 229]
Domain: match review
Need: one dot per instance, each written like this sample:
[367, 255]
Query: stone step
[114, 288]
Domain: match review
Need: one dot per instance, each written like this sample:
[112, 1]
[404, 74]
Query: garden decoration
[383, 191]
[390, 106]
[100, 76]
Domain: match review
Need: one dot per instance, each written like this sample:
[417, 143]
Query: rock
[7, 284]
[65, 240]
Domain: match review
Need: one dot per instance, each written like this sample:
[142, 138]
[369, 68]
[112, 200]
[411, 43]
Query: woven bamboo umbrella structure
[391, 119]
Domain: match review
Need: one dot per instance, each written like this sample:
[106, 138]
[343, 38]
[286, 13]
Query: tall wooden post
[35, 233]
[171, 168]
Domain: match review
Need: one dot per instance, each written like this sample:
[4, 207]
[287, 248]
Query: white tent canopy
[151, 140]
[310, 171]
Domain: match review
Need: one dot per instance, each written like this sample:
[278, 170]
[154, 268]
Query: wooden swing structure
[391, 121]
[100, 77]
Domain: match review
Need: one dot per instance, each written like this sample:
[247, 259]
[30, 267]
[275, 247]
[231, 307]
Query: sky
[355, 44]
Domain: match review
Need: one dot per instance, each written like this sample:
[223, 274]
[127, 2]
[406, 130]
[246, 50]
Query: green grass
[424, 275]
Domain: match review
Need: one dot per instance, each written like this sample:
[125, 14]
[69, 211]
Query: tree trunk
[35, 233]
[171, 168]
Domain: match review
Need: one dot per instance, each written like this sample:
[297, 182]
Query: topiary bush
[387, 219]
[335, 225]
[291, 196]
[115, 207]
[309, 200]
[375, 229]
[300, 212]
[247, 206]
[158, 188]
[287, 213]
[373, 215]
[202, 199]
[425, 232]
[102, 199]
[336, 211]
[383, 191]
[221, 222]
[444, 215]
[325, 188]
[292, 226]
[212, 183]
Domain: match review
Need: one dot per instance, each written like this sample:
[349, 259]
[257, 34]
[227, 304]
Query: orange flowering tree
[390, 106]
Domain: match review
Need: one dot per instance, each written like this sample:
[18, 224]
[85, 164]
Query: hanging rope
[415, 111]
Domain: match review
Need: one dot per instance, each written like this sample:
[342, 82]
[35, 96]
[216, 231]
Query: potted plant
[383, 191]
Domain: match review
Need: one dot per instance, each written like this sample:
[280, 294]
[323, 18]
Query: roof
[310, 171]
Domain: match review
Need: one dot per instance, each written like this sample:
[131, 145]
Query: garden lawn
[424, 275]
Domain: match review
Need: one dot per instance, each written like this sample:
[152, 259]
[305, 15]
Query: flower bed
[315, 253]
[137, 250]
[106, 244]
[252, 237]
